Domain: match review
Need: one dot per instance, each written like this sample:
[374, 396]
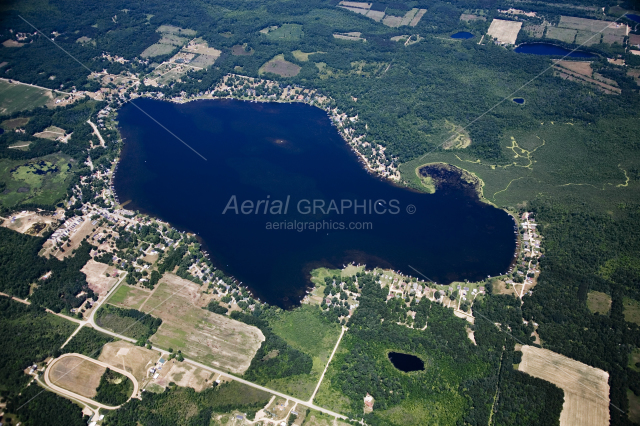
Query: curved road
[47, 380]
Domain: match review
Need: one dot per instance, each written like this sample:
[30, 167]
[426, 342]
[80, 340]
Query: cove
[406, 362]
[274, 151]
[463, 35]
[551, 49]
[633, 17]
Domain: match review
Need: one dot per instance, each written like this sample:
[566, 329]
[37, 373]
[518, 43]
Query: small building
[368, 403]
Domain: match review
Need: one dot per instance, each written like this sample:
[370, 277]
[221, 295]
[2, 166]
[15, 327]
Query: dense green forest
[186, 407]
[88, 341]
[20, 266]
[29, 335]
[114, 388]
[36, 407]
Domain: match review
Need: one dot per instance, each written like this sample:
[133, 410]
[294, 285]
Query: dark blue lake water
[519, 101]
[406, 362]
[551, 49]
[635, 18]
[261, 152]
[463, 35]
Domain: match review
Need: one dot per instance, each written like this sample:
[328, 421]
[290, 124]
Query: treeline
[139, 325]
[88, 341]
[275, 358]
[186, 407]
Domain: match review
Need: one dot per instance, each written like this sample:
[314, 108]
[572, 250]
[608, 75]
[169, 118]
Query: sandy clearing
[25, 220]
[504, 31]
[586, 389]
[98, 281]
[129, 357]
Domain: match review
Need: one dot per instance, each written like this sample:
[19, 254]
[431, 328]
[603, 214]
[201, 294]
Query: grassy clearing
[278, 65]
[286, 32]
[14, 123]
[631, 310]
[305, 329]
[303, 57]
[19, 97]
[42, 180]
[599, 302]
[127, 296]
[332, 399]
[634, 358]
[634, 406]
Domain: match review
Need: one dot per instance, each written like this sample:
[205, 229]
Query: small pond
[519, 101]
[406, 362]
[635, 18]
[463, 35]
[551, 49]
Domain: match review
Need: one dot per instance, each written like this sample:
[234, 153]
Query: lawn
[599, 302]
[18, 97]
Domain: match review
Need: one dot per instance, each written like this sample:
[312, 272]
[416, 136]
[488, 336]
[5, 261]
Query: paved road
[47, 380]
[327, 366]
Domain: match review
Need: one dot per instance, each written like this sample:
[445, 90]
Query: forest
[128, 322]
[114, 388]
[36, 407]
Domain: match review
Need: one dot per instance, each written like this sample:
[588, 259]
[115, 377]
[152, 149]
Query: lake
[551, 49]
[406, 362]
[463, 35]
[633, 17]
[272, 155]
[519, 101]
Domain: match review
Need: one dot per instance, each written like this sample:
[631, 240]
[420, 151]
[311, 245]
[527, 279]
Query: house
[368, 402]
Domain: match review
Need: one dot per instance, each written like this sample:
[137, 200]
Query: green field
[631, 310]
[42, 180]
[18, 97]
[305, 329]
[286, 32]
[128, 297]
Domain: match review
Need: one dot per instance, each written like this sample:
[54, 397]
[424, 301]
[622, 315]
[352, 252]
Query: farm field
[586, 389]
[504, 31]
[129, 357]
[209, 338]
[19, 97]
[76, 375]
